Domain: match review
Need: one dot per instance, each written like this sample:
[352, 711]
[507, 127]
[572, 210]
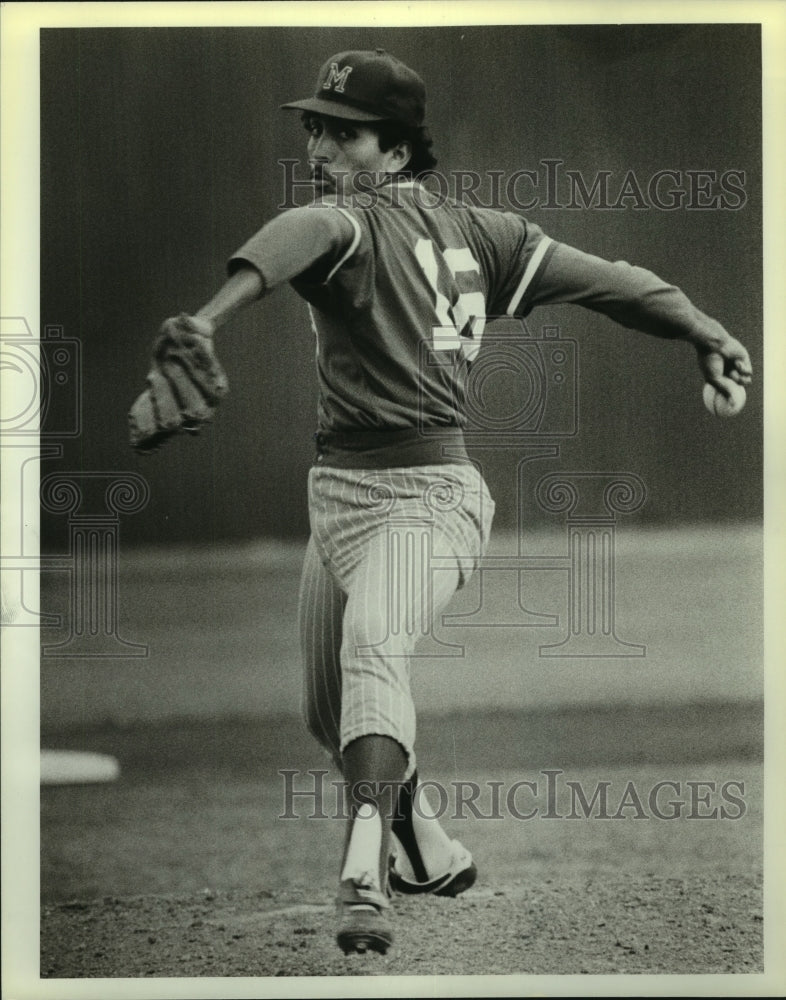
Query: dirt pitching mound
[636, 924]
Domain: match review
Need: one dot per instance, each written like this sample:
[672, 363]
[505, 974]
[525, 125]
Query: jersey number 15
[461, 323]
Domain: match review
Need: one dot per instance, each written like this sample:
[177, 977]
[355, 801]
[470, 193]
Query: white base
[77, 767]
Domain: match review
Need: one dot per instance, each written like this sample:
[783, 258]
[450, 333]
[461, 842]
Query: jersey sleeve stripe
[352, 246]
[529, 273]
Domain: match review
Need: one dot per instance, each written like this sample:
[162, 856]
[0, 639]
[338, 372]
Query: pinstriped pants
[369, 590]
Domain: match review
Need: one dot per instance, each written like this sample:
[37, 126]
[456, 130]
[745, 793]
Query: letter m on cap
[337, 80]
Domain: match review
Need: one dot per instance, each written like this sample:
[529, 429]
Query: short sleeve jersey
[401, 312]
[400, 290]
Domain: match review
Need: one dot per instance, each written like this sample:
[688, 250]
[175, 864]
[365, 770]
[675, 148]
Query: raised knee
[380, 635]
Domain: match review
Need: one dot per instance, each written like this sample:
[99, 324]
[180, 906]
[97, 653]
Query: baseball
[723, 406]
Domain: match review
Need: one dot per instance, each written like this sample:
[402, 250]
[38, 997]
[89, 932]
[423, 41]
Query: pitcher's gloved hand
[184, 385]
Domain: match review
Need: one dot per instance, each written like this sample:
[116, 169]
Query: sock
[365, 840]
[373, 767]
[427, 849]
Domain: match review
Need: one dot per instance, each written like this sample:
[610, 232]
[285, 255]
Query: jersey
[399, 292]
[399, 304]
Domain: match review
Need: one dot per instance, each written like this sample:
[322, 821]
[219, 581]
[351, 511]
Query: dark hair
[391, 133]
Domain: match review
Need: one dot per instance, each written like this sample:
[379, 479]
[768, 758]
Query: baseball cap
[367, 87]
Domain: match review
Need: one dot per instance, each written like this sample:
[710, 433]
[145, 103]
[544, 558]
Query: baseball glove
[184, 385]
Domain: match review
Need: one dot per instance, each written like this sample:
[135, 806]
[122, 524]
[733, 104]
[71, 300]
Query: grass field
[221, 632]
[198, 802]
[184, 867]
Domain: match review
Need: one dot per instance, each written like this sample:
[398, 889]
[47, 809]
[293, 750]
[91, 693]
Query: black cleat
[457, 879]
[363, 925]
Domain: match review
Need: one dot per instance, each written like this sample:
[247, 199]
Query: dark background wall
[159, 150]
